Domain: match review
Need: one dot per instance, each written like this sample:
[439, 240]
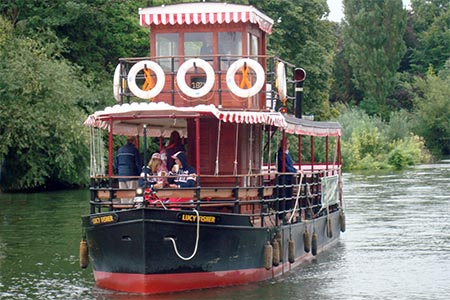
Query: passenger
[285, 179]
[175, 145]
[153, 172]
[128, 162]
[185, 174]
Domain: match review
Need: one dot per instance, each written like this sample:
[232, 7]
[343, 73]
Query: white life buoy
[281, 82]
[116, 83]
[181, 77]
[160, 79]
[237, 65]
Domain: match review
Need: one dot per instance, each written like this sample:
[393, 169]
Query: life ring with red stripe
[238, 65]
[160, 79]
[181, 77]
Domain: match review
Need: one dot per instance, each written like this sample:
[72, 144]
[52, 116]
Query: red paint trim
[164, 283]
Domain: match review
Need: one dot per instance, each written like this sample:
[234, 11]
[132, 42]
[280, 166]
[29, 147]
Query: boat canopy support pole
[216, 169]
[299, 142]
[326, 152]
[110, 148]
[312, 153]
[197, 145]
[283, 153]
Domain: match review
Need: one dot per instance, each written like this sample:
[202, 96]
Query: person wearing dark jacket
[285, 180]
[185, 174]
[128, 162]
[175, 145]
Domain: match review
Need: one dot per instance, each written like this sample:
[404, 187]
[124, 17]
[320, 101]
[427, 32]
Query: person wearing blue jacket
[285, 180]
[128, 162]
[185, 174]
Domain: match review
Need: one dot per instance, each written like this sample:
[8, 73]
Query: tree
[432, 110]
[374, 46]
[431, 21]
[43, 140]
[93, 34]
[303, 37]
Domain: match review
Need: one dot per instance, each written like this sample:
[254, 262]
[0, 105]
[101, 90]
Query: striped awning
[204, 13]
[274, 119]
[161, 118]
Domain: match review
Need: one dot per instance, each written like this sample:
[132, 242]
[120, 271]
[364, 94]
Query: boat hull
[136, 250]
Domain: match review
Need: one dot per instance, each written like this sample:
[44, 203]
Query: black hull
[229, 250]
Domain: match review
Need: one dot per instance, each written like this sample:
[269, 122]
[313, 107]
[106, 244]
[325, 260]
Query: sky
[337, 13]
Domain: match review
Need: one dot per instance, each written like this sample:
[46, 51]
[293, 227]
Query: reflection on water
[397, 245]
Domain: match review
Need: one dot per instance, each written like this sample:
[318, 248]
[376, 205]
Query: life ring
[237, 65]
[116, 83]
[281, 82]
[160, 79]
[181, 77]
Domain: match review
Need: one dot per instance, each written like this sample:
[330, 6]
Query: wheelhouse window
[198, 44]
[167, 45]
[230, 46]
[253, 45]
[230, 43]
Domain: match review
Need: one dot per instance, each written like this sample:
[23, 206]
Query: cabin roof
[308, 127]
[161, 118]
[204, 13]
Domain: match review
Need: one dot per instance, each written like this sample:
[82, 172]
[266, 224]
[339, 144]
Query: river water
[397, 246]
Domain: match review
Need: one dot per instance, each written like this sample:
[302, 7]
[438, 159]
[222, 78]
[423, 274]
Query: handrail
[262, 200]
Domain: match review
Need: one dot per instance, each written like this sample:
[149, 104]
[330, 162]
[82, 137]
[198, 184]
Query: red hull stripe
[164, 283]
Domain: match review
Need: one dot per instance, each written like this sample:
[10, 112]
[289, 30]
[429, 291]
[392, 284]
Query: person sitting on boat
[154, 171]
[285, 180]
[185, 175]
[128, 163]
[175, 145]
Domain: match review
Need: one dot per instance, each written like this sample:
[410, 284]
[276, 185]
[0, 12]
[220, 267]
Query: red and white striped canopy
[204, 13]
[161, 118]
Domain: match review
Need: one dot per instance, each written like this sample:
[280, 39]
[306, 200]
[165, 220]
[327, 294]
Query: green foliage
[45, 99]
[374, 46]
[369, 143]
[43, 140]
[301, 36]
[94, 33]
[431, 22]
[407, 152]
[432, 112]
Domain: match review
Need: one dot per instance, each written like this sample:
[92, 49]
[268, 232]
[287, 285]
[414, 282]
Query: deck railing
[220, 95]
[266, 197]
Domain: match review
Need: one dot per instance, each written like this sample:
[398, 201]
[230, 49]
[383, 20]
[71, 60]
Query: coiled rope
[196, 240]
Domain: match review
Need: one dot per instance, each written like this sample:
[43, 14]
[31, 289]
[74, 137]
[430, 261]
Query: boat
[230, 104]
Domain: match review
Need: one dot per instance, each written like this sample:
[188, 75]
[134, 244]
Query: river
[396, 246]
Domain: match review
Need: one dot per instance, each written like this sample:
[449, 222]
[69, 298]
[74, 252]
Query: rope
[148, 84]
[236, 149]
[298, 196]
[196, 241]
[162, 203]
[216, 171]
[245, 82]
[308, 196]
